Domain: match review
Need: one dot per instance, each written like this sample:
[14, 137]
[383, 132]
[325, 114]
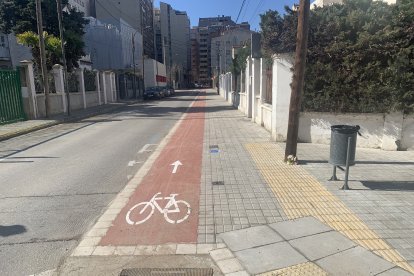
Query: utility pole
[42, 55]
[143, 46]
[298, 78]
[62, 45]
[133, 60]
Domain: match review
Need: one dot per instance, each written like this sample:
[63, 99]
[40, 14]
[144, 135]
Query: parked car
[152, 93]
[170, 89]
[162, 91]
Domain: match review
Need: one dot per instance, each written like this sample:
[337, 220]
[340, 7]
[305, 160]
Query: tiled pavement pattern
[382, 194]
[304, 246]
[307, 268]
[243, 199]
[300, 194]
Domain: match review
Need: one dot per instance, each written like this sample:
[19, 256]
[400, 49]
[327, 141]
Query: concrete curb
[60, 121]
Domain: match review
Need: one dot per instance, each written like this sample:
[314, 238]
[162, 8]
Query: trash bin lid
[345, 129]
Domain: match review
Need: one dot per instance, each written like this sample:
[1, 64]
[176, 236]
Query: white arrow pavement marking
[133, 162]
[176, 164]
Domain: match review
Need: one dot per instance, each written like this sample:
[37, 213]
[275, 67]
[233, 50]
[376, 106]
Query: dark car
[152, 93]
[170, 89]
[162, 91]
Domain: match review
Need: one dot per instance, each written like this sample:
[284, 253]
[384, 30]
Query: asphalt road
[56, 182]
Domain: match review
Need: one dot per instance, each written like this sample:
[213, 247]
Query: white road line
[145, 148]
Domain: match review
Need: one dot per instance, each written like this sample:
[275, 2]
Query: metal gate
[11, 101]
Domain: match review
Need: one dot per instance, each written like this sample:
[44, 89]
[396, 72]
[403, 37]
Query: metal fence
[11, 101]
[73, 82]
[268, 92]
[90, 80]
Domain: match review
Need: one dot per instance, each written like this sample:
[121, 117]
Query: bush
[360, 55]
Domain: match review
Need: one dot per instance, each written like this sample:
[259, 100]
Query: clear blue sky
[210, 8]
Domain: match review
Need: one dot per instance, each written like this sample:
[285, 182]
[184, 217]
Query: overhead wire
[256, 10]
[241, 8]
[245, 10]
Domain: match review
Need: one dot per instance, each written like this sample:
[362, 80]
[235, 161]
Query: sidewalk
[246, 192]
[19, 128]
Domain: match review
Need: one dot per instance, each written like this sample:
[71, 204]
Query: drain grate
[213, 146]
[217, 183]
[167, 272]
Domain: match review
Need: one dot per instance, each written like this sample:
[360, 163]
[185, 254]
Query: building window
[2, 41]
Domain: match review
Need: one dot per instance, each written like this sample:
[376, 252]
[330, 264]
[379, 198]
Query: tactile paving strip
[297, 270]
[300, 195]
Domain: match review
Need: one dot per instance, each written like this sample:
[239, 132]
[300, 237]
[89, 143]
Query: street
[56, 182]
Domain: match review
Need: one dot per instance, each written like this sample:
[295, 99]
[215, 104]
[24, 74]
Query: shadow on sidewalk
[389, 185]
[305, 162]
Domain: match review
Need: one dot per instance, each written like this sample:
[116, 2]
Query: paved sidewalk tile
[355, 261]
[322, 245]
[303, 227]
[250, 237]
[269, 257]
[301, 194]
[300, 269]
[233, 193]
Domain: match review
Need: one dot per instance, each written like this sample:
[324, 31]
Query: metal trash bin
[343, 147]
[339, 144]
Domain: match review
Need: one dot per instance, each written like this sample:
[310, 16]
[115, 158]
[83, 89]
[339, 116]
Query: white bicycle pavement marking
[153, 204]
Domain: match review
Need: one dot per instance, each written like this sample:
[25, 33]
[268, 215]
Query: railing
[11, 102]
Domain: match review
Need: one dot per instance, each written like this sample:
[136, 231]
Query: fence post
[108, 85]
[59, 84]
[249, 87]
[81, 80]
[281, 79]
[263, 88]
[104, 87]
[29, 74]
[255, 87]
[98, 86]
[114, 86]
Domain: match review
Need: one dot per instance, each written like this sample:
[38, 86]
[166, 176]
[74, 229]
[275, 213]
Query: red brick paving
[185, 145]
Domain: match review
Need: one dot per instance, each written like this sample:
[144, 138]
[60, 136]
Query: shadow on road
[11, 230]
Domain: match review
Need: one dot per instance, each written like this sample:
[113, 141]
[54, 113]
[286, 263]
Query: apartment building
[207, 29]
[175, 40]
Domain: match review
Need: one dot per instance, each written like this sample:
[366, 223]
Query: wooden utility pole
[298, 78]
[42, 55]
[62, 45]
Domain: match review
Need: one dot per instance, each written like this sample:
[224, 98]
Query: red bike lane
[174, 179]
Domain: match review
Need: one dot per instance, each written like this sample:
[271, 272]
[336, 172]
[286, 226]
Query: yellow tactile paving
[300, 195]
[297, 270]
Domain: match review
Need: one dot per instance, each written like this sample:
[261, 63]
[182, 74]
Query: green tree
[52, 46]
[360, 55]
[239, 63]
[19, 16]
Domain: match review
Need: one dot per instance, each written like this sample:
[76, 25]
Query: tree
[52, 45]
[19, 16]
[279, 33]
[360, 55]
[239, 63]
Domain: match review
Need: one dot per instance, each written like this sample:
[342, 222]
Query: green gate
[11, 102]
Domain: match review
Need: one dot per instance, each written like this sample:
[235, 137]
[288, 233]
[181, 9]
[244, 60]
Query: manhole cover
[167, 272]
